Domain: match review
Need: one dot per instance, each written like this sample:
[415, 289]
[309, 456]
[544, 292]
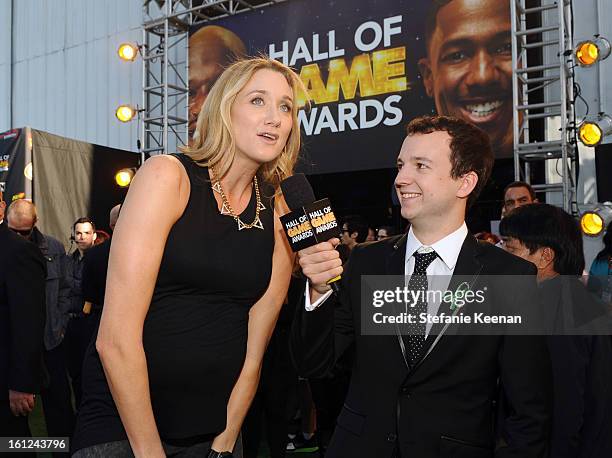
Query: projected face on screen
[468, 68]
[211, 49]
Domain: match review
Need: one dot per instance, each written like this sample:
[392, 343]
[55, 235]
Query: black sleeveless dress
[195, 332]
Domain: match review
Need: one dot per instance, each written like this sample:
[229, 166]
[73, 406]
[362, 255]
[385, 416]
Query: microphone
[309, 221]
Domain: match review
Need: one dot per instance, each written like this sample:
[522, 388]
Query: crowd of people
[59, 336]
[185, 338]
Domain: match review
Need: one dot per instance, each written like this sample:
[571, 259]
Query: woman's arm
[157, 197]
[262, 318]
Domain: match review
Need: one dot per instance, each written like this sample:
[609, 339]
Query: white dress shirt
[439, 272]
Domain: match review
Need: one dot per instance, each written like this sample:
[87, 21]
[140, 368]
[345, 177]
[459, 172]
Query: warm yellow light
[124, 177]
[592, 224]
[127, 51]
[28, 171]
[587, 53]
[125, 113]
[590, 133]
[593, 129]
[590, 52]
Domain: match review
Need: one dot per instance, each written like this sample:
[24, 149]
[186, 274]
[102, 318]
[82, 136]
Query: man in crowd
[468, 67]
[385, 232]
[427, 394]
[22, 323]
[582, 374]
[57, 403]
[354, 231]
[81, 324]
[371, 234]
[211, 50]
[517, 194]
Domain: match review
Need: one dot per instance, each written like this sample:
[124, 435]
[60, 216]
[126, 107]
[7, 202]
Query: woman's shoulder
[165, 159]
[160, 190]
[161, 175]
[163, 166]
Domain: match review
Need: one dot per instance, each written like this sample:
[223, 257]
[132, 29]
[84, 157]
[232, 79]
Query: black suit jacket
[22, 314]
[582, 371]
[444, 407]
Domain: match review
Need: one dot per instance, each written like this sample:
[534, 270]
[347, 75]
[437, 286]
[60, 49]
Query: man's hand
[225, 441]
[21, 403]
[320, 263]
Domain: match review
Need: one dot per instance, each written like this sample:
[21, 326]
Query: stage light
[590, 52]
[127, 51]
[28, 171]
[124, 177]
[592, 131]
[125, 113]
[595, 220]
[591, 224]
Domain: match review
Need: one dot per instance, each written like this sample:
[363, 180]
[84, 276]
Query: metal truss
[163, 114]
[543, 91]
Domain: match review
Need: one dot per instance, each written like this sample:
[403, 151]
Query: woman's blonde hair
[213, 143]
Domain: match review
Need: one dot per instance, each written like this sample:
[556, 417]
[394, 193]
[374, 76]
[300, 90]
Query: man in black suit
[579, 344]
[22, 322]
[428, 394]
[56, 397]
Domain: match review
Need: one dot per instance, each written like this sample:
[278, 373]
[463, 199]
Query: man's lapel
[468, 265]
[396, 266]
[396, 261]
[468, 262]
[467, 269]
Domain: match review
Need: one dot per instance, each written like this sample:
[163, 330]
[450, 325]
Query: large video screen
[370, 66]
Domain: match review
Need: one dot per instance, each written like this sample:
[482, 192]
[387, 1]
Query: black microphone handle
[335, 284]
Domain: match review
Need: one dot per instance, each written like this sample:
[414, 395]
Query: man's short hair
[431, 19]
[470, 147]
[544, 225]
[83, 220]
[521, 184]
[357, 224]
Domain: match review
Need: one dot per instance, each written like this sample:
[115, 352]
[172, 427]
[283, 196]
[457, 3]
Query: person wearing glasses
[354, 231]
[59, 414]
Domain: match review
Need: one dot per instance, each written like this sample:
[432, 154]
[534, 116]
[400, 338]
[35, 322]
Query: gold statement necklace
[226, 207]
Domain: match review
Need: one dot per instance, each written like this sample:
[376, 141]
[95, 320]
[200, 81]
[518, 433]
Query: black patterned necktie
[418, 283]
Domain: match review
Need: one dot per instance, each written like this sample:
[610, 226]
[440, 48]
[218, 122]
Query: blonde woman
[198, 270]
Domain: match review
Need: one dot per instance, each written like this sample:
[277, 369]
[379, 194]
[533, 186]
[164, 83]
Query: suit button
[391, 437]
[405, 390]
